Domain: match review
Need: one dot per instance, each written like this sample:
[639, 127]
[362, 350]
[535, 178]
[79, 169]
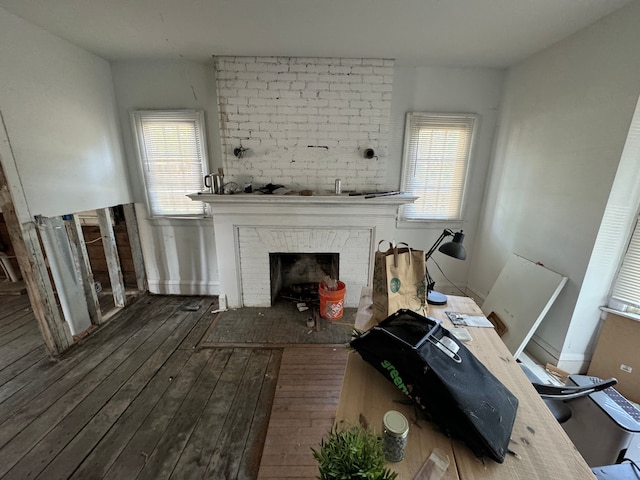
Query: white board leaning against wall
[521, 297]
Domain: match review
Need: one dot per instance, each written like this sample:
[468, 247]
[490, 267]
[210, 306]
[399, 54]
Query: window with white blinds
[172, 151]
[435, 164]
[626, 288]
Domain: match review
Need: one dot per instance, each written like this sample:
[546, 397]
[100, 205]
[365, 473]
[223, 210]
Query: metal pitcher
[215, 183]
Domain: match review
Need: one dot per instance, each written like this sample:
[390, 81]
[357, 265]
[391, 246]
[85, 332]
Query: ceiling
[493, 33]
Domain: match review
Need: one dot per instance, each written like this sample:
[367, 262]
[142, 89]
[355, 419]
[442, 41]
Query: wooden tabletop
[543, 449]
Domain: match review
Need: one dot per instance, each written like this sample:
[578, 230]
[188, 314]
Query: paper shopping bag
[398, 281]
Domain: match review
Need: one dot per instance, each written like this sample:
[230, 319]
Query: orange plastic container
[332, 301]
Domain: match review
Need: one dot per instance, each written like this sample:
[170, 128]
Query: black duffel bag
[445, 380]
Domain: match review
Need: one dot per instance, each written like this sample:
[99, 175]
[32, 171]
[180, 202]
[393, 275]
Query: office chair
[603, 425]
[557, 396]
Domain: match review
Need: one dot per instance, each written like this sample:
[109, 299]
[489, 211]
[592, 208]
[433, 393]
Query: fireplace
[295, 276]
[248, 228]
[257, 243]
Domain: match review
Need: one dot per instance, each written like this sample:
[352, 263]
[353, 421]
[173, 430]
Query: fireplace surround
[250, 227]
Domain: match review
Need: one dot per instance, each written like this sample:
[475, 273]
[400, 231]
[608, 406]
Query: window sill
[631, 316]
[180, 221]
[429, 224]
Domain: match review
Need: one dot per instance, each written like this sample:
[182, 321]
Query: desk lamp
[454, 249]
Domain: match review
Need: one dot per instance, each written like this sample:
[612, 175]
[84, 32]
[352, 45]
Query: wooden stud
[136, 246]
[111, 254]
[83, 267]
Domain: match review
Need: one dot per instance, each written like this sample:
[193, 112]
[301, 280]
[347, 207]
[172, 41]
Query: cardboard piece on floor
[521, 297]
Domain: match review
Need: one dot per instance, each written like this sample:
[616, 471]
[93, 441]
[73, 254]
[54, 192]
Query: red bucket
[332, 301]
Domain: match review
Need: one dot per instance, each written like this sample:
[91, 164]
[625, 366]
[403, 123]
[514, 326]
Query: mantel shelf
[301, 200]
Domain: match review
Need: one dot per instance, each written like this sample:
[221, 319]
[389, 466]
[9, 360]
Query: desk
[544, 450]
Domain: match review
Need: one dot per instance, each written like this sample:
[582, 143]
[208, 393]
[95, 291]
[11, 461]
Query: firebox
[295, 276]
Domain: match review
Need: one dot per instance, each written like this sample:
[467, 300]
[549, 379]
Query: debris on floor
[189, 308]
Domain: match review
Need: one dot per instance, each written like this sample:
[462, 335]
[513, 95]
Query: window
[435, 164]
[172, 152]
[626, 289]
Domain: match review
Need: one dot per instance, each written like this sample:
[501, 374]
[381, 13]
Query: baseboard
[575, 363]
[544, 353]
[478, 297]
[183, 288]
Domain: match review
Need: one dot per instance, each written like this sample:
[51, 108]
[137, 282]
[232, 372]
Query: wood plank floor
[304, 410]
[138, 399]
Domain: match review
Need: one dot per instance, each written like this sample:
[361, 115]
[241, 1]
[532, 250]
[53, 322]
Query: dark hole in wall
[6, 247]
[292, 269]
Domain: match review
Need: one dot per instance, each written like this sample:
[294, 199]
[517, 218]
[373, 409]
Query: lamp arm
[445, 233]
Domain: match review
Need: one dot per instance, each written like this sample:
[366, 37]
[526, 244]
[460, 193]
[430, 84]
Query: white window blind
[626, 289]
[435, 164]
[172, 153]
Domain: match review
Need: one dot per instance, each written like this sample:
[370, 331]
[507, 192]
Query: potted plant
[352, 453]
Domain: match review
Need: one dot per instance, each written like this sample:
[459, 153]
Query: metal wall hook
[239, 152]
[369, 153]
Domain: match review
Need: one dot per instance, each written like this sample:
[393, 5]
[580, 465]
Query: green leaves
[352, 454]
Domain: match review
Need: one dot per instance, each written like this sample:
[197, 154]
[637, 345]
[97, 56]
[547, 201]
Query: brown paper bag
[398, 281]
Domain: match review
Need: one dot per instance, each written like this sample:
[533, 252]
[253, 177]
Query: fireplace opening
[295, 276]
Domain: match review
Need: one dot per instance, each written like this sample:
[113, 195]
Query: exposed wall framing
[26, 244]
[75, 283]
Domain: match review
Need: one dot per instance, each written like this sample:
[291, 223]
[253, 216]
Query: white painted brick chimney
[305, 121]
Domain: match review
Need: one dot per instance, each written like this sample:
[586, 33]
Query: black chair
[557, 397]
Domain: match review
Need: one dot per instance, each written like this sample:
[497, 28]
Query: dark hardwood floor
[138, 399]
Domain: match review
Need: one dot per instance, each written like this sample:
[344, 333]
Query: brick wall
[305, 121]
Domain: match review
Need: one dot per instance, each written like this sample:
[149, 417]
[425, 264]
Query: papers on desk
[461, 334]
[464, 319]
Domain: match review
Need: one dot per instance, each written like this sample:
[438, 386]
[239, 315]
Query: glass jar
[395, 429]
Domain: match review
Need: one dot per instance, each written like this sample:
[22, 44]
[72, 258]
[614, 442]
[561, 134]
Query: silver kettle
[215, 183]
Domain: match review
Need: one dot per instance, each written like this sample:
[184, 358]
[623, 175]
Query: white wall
[179, 253]
[440, 89]
[564, 120]
[58, 104]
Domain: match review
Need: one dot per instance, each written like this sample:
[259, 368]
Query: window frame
[198, 117]
[471, 118]
[627, 276]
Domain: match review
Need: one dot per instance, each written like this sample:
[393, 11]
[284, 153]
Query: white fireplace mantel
[304, 223]
[219, 202]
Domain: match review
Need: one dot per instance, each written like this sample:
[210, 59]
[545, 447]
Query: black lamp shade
[454, 248]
